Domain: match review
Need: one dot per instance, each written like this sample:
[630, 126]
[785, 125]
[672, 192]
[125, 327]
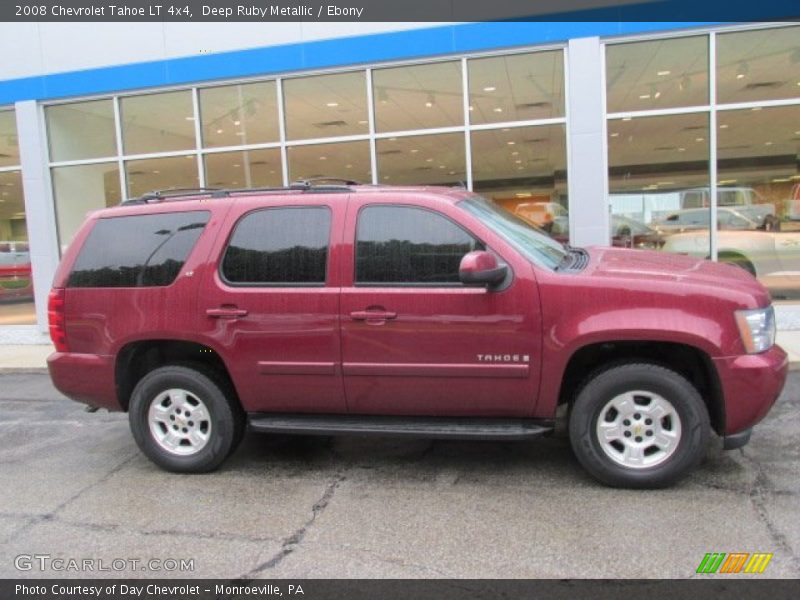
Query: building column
[587, 179]
[39, 209]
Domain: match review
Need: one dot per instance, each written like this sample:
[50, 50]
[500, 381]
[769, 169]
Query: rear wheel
[183, 421]
[638, 426]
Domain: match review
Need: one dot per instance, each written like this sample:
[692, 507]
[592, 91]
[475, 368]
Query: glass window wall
[238, 115]
[418, 97]
[326, 106]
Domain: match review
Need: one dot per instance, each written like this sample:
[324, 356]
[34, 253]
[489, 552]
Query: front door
[415, 341]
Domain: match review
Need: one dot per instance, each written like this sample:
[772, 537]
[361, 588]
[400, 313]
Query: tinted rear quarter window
[137, 251]
[279, 246]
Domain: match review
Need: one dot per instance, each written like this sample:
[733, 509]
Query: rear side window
[279, 246]
[137, 251]
[406, 245]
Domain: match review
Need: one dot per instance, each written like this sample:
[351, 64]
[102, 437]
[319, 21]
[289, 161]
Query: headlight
[757, 328]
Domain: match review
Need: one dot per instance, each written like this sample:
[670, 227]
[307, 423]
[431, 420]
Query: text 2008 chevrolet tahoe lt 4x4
[403, 311]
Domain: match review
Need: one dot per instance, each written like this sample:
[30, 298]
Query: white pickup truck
[745, 200]
[662, 207]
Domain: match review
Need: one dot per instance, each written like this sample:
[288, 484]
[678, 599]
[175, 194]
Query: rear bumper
[87, 378]
[750, 385]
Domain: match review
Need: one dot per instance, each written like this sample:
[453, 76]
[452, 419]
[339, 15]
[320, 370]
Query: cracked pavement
[74, 485]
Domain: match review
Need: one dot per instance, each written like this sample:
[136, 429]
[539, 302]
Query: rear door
[271, 303]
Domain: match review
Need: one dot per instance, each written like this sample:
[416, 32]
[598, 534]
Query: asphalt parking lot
[73, 485]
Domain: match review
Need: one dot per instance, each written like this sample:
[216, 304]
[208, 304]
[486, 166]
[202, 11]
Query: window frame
[443, 285]
[264, 284]
[109, 218]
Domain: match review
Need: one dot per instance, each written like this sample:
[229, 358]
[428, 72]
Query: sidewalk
[32, 357]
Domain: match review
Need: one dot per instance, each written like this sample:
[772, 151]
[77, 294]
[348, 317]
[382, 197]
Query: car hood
[661, 266]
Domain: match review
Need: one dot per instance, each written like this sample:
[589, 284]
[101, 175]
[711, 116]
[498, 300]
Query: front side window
[137, 251]
[279, 246]
[530, 241]
[407, 245]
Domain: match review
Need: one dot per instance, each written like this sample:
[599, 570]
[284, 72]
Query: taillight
[55, 316]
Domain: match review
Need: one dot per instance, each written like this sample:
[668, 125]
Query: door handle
[226, 312]
[372, 315]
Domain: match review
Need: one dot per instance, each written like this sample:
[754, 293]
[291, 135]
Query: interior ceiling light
[742, 70]
[685, 83]
[219, 130]
[724, 126]
[332, 104]
[489, 88]
[614, 135]
[323, 158]
[644, 96]
[511, 143]
[498, 110]
[431, 101]
[663, 73]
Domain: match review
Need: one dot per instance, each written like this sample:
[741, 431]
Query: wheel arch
[689, 361]
[137, 358]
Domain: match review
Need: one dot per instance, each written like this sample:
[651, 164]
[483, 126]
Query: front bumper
[750, 385]
[87, 378]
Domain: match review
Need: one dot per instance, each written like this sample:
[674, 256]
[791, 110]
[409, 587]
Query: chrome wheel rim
[639, 429]
[179, 422]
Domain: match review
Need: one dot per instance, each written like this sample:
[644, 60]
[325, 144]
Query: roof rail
[322, 182]
[317, 184]
[169, 192]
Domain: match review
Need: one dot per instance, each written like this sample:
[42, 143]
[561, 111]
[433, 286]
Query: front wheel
[638, 426]
[183, 421]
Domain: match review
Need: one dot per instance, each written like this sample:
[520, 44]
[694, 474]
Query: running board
[390, 426]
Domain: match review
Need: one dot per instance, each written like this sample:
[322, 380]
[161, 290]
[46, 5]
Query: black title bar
[397, 10]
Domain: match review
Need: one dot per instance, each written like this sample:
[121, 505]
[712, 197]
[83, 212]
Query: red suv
[364, 310]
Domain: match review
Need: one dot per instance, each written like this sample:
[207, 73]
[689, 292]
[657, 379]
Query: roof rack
[318, 184]
[323, 182]
[169, 192]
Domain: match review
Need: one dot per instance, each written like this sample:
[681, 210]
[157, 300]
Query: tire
[771, 223]
[183, 421]
[651, 451]
[739, 261]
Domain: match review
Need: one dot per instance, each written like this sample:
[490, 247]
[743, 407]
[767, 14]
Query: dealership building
[678, 137]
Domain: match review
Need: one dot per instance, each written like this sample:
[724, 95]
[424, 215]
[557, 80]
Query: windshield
[533, 243]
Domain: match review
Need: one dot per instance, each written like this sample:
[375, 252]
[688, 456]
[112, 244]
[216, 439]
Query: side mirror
[481, 267]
